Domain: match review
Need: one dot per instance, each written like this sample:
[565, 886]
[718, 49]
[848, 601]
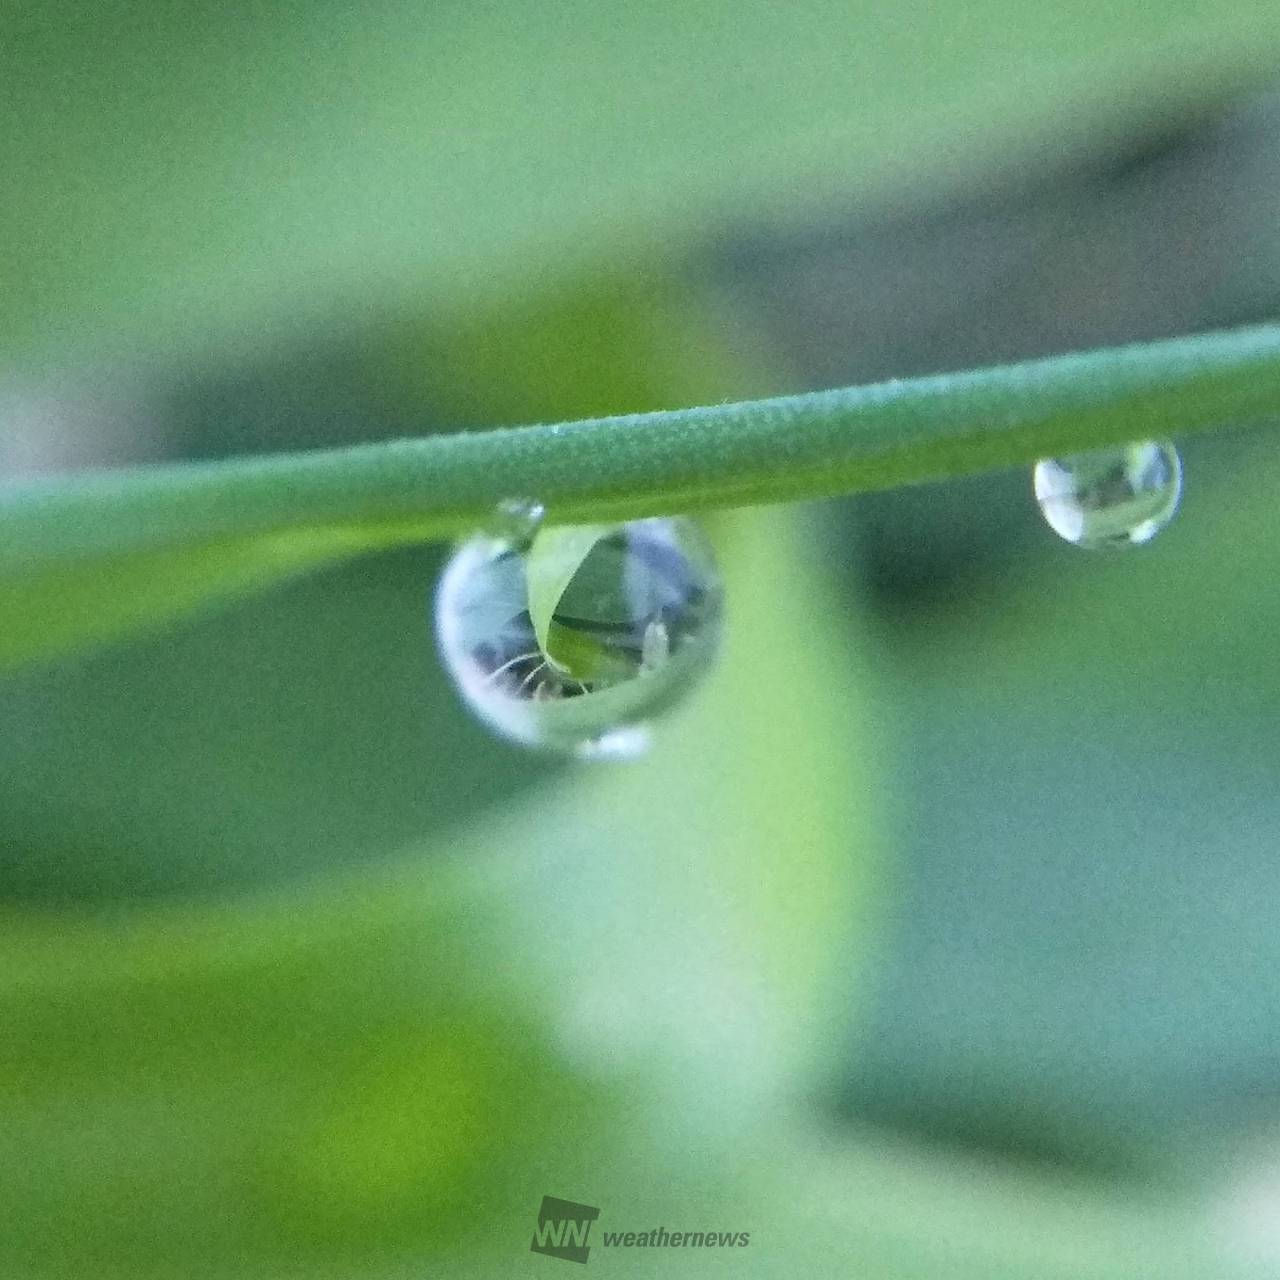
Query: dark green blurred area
[937, 939]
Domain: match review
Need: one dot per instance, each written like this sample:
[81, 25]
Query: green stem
[802, 446]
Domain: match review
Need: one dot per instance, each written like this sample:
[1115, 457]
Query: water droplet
[1110, 497]
[574, 637]
[515, 519]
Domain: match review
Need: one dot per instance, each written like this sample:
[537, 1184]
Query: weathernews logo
[564, 1228]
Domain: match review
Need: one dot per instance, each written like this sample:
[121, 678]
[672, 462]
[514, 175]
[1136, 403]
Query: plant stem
[802, 446]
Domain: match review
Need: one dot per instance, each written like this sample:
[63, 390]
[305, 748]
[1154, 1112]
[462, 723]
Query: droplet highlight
[1110, 497]
[573, 638]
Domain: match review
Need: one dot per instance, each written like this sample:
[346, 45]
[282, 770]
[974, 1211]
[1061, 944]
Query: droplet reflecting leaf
[1110, 497]
[575, 638]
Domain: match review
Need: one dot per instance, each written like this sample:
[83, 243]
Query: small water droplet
[1110, 497]
[515, 519]
[574, 637]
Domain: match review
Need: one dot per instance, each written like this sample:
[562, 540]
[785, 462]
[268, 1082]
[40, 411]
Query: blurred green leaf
[1083, 967]
[304, 728]
[182, 181]
[383, 1075]
[341, 1079]
[58, 607]
[148, 536]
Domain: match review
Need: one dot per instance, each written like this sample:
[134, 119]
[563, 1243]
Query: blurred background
[937, 937]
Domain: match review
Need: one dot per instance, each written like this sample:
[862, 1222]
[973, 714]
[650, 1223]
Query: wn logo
[563, 1228]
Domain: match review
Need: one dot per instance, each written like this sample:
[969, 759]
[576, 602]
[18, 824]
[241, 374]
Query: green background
[936, 936]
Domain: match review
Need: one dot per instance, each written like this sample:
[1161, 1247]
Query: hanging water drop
[574, 637]
[515, 519]
[1110, 497]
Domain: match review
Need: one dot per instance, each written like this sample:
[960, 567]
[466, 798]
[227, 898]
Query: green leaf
[381, 1074]
[181, 186]
[94, 554]
[1092, 739]
[337, 1076]
[552, 560]
[299, 729]
[60, 605]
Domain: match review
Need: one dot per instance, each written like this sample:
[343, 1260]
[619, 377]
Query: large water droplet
[574, 637]
[1110, 497]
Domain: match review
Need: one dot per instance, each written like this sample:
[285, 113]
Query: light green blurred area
[600, 975]
[934, 939]
[185, 180]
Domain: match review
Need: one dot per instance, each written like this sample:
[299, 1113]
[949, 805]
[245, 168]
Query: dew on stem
[1110, 497]
[574, 637]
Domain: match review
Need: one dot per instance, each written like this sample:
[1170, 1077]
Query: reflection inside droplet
[1111, 497]
[574, 637]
